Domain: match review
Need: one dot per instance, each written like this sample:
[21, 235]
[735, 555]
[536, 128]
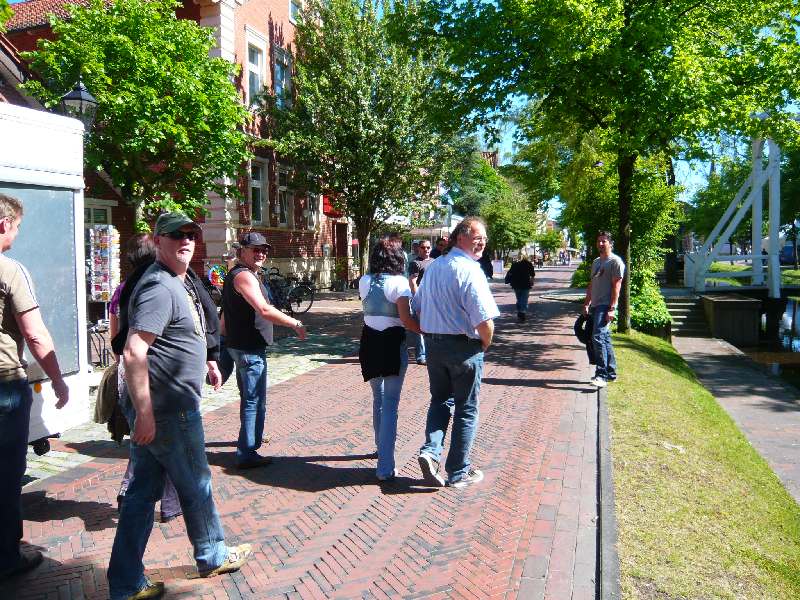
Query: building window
[285, 206]
[314, 201]
[97, 212]
[282, 83]
[295, 7]
[255, 71]
[257, 192]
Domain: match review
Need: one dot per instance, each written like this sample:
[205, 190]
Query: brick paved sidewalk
[322, 527]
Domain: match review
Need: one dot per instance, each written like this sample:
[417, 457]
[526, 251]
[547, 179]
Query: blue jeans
[251, 375]
[385, 399]
[179, 450]
[417, 340]
[522, 299]
[454, 369]
[15, 413]
[170, 505]
[605, 361]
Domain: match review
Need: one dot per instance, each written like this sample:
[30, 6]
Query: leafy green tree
[169, 122]
[360, 125]
[550, 241]
[647, 73]
[510, 224]
[477, 184]
[709, 203]
[5, 14]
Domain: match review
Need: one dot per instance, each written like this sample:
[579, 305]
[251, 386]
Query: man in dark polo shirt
[243, 299]
[20, 321]
[165, 365]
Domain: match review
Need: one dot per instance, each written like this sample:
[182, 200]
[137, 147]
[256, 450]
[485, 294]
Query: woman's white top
[394, 287]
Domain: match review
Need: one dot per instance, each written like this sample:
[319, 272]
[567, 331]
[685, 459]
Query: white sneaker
[473, 476]
[598, 382]
[429, 468]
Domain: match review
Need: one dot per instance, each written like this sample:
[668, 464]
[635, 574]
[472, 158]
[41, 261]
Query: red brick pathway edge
[320, 524]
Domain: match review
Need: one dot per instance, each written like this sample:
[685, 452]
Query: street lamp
[79, 104]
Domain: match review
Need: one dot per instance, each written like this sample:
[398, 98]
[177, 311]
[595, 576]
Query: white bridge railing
[765, 269]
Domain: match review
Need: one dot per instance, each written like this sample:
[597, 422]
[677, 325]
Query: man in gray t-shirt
[600, 305]
[165, 361]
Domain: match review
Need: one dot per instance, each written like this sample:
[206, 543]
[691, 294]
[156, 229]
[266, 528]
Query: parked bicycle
[289, 293]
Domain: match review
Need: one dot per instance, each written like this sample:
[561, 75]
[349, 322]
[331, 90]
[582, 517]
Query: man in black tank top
[244, 297]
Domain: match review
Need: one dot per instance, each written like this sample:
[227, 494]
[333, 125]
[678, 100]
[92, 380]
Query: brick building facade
[307, 236]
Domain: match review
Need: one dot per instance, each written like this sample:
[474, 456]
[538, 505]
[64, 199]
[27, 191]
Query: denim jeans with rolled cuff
[455, 367]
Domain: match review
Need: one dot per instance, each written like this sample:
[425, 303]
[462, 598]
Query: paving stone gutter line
[608, 558]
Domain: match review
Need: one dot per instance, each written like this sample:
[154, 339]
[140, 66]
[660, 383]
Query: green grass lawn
[701, 515]
[790, 277]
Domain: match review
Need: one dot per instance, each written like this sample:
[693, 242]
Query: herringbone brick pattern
[320, 524]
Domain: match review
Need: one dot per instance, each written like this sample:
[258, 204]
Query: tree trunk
[626, 163]
[362, 233]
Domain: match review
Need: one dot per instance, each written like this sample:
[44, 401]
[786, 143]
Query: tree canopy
[647, 73]
[360, 126]
[5, 14]
[169, 122]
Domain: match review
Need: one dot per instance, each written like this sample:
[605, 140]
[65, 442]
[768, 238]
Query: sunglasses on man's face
[180, 235]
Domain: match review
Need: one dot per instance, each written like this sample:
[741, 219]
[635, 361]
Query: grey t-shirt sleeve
[150, 309]
[617, 268]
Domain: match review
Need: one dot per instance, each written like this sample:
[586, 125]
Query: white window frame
[258, 41]
[314, 202]
[285, 192]
[93, 203]
[281, 56]
[293, 14]
[264, 188]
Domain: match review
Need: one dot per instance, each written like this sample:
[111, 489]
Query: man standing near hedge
[600, 305]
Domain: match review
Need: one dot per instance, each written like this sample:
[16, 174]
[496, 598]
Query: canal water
[782, 357]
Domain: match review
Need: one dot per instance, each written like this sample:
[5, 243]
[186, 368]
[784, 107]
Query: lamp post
[79, 104]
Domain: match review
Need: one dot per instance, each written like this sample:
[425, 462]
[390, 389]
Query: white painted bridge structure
[765, 271]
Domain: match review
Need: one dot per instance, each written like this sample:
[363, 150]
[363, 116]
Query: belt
[462, 337]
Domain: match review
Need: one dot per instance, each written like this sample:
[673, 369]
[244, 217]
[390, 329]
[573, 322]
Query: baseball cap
[172, 221]
[254, 238]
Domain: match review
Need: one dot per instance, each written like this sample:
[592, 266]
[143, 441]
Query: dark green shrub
[580, 278]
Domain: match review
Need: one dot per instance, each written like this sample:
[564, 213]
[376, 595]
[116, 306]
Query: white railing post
[774, 268]
[758, 204]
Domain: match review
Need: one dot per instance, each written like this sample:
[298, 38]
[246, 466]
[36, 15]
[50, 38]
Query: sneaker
[422, 361]
[151, 590]
[598, 382]
[26, 563]
[472, 476]
[429, 468]
[237, 556]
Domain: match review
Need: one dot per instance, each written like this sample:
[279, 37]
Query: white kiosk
[41, 163]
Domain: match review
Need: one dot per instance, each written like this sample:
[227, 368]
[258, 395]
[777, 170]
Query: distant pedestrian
[244, 300]
[600, 305]
[385, 295]
[456, 312]
[165, 360]
[441, 246]
[520, 278]
[21, 322]
[415, 275]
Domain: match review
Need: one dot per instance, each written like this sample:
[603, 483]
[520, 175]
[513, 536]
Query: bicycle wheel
[301, 298]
